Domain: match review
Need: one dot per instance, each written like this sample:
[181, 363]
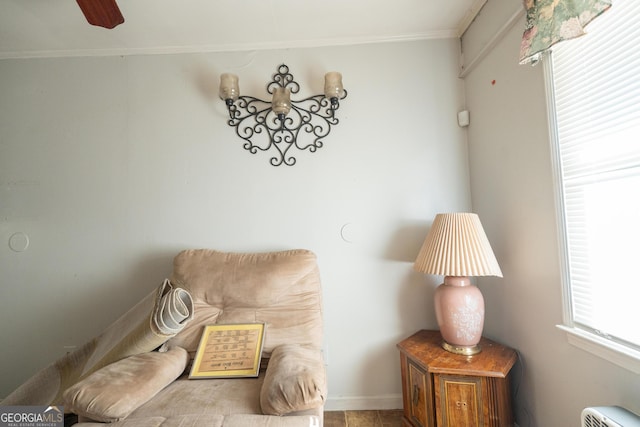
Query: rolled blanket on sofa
[159, 316]
[155, 319]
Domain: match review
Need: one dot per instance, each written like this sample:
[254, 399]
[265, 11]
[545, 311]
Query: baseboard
[361, 403]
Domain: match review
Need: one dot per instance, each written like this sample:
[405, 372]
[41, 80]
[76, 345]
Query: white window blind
[596, 85]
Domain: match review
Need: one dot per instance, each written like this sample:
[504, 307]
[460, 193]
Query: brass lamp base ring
[465, 350]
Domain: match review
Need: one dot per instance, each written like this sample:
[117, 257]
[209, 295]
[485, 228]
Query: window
[595, 88]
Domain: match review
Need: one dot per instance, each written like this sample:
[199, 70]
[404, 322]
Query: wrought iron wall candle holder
[277, 125]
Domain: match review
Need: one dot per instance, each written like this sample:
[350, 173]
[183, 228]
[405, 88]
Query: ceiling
[51, 28]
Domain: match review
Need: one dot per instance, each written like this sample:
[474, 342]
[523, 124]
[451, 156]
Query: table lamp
[457, 248]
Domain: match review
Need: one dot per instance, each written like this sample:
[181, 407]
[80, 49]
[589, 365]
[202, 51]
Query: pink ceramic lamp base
[460, 314]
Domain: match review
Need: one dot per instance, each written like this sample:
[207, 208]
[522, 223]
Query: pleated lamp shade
[457, 246]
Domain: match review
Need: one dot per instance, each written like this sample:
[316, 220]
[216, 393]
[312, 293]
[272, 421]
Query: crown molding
[230, 47]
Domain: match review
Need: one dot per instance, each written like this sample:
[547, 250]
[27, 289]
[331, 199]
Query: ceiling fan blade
[103, 13]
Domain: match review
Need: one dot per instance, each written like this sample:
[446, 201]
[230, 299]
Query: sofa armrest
[295, 380]
[113, 392]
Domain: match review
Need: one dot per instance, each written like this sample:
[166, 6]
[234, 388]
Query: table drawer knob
[462, 405]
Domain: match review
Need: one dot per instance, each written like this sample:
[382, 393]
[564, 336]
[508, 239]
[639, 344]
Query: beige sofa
[152, 388]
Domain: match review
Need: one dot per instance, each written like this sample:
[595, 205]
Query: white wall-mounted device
[463, 118]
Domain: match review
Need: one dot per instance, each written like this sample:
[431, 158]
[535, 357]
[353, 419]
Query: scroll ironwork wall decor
[280, 125]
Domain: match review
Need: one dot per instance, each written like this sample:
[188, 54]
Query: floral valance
[551, 21]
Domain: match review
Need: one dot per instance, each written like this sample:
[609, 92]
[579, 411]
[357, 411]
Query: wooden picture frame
[227, 351]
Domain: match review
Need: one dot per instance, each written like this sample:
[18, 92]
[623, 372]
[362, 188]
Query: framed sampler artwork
[232, 350]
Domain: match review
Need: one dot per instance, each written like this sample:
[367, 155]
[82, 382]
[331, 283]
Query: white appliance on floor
[609, 416]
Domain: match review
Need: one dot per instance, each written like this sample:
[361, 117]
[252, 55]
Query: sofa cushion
[220, 396]
[113, 392]
[281, 289]
[294, 381]
[236, 420]
[242, 420]
[228, 397]
[180, 421]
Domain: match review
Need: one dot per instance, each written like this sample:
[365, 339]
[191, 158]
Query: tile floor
[391, 418]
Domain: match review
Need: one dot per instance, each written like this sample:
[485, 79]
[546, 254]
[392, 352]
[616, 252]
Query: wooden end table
[442, 389]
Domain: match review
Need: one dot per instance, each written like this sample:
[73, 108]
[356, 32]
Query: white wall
[512, 191]
[111, 165]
